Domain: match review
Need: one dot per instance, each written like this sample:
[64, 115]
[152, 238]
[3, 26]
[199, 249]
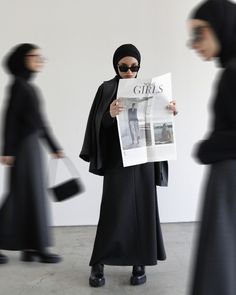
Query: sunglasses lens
[123, 68]
[197, 34]
[134, 68]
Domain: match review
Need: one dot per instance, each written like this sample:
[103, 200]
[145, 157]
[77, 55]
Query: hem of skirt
[21, 248]
[106, 262]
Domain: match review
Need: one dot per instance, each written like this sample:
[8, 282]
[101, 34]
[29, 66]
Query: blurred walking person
[24, 220]
[213, 30]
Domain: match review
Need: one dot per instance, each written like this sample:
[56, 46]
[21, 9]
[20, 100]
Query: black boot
[3, 258]
[138, 275]
[41, 256]
[96, 278]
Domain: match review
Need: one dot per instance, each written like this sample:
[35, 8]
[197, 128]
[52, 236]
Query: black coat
[129, 231]
[24, 222]
[92, 149]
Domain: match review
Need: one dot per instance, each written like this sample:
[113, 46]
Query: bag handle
[53, 168]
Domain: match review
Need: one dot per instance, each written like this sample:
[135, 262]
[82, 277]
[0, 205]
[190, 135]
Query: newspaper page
[146, 126]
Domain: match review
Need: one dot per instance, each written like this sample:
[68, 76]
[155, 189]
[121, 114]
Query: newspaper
[146, 126]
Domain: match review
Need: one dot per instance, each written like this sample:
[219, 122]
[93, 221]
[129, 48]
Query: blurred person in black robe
[24, 220]
[213, 29]
[129, 231]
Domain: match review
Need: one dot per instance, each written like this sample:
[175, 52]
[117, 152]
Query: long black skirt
[129, 231]
[24, 222]
[215, 262]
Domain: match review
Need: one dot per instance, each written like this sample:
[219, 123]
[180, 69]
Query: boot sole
[97, 283]
[138, 280]
[35, 258]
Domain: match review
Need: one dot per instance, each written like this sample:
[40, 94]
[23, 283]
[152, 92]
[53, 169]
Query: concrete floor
[70, 277]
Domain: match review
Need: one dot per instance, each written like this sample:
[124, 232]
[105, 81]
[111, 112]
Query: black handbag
[66, 189]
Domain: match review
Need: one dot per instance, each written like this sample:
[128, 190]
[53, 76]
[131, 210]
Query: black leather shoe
[96, 278]
[43, 257]
[3, 259]
[138, 275]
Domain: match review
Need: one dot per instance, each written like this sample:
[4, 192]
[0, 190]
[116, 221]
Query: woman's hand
[172, 107]
[58, 155]
[7, 160]
[115, 108]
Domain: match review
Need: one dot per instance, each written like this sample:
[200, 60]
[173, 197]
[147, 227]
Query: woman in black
[213, 28]
[128, 231]
[24, 223]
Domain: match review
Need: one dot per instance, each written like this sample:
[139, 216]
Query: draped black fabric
[94, 145]
[215, 262]
[129, 231]
[24, 218]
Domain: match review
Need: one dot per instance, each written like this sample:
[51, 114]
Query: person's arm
[46, 135]
[36, 118]
[110, 115]
[221, 144]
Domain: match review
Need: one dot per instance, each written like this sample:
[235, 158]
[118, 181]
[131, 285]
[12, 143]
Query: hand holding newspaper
[146, 125]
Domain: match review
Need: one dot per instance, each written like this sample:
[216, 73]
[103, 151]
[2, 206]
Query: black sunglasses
[125, 68]
[38, 57]
[197, 34]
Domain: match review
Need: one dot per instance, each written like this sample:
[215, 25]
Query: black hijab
[221, 14]
[123, 51]
[15, 60]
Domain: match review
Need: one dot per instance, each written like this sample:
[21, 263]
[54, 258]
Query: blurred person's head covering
[221, 15]
[14, 62]
[123, 51]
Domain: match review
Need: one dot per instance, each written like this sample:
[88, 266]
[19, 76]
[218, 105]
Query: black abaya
[24, 220]
[129, 231]
[215, 263]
